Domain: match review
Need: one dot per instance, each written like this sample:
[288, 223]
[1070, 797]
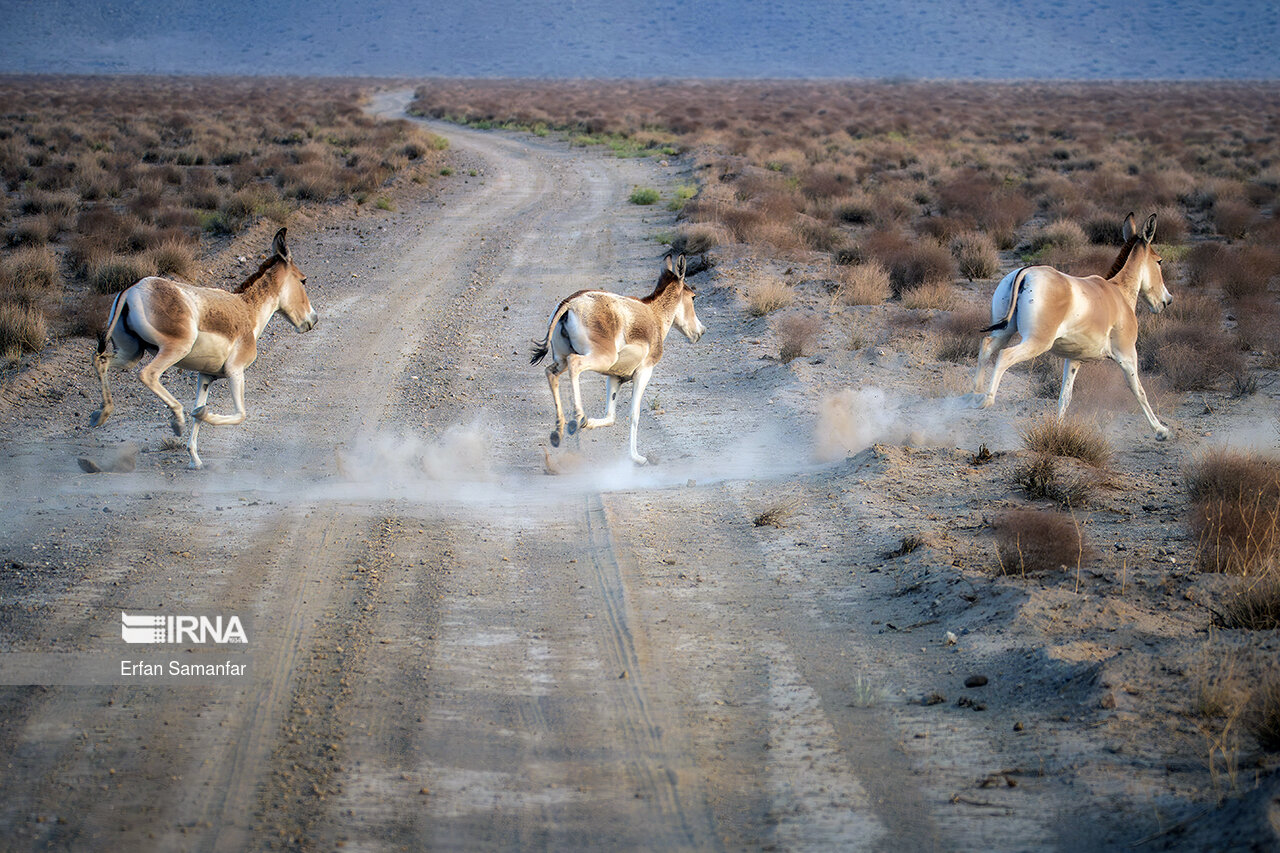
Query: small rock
[933, 699]
[1108, 700]
[1017, 727]
[975, 681]
[950, 639]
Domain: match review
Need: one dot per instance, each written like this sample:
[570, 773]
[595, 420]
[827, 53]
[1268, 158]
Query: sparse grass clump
[698, 239]
[797, 334]
[767, 294]
[29, 274]
[173, 258]
[1030, 541]
[1255, 606]
[862, 284]
[119, 272]
[976, 255]
[1067, 437]
[1041, 478]
[1263, 715]
[777, 513]
[939, 295]
[1235, 514]
[644, 195]
[23, 328]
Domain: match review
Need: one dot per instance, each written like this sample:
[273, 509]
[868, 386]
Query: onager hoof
[574, 425]
[555, 438]
[201, 413]
[984, 402]
[177, 422]
[195, 464]
[639, 460]
[99, 417]
[1163, 433]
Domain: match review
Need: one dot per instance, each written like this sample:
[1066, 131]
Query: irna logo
[198, 630]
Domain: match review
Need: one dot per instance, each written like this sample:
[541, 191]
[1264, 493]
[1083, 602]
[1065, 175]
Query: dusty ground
[453, 649]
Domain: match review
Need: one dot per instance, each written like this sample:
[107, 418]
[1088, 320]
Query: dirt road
[452, 649]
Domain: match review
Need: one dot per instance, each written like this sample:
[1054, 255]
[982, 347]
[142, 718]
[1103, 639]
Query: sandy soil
[453, 649]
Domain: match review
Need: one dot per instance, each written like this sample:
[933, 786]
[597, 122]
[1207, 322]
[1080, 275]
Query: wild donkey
[1079, 319]
[618, 336]
[208, 330]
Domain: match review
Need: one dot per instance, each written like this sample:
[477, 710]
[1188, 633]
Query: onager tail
[540, 349]
[1013, 302]
[102, 361]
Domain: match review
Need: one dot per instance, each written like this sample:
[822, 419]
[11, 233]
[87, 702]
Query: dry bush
[1255, 607]
[1204, 263]
[1248, 272]
[940, 295]
[1030, 541]
[1191, 355]
[172, 258]
[975, 255]
[699, 239]
[1062, 234]
[118, 272]
[910, 263]
[1235, 513]
[767, 294]
[1067, 436]
[1234, 218]
[32, 231]
[862, 284]
[797, 334]
[23, 328]
[1173, 228]
[1106, 230]
[1263, 715]
[1042, 477]
[29, 274]
[1258, 323]
[960, 338]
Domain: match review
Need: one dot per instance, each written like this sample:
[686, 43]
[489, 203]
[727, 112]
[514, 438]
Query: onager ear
[278, 246]
[1129, 228]
[680, 267]
[666, 263]
[1149, 230]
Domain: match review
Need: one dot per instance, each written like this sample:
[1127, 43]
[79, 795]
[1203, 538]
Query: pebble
[975, 681]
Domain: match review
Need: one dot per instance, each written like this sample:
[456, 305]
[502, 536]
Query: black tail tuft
[1002, 324]
[540, 350]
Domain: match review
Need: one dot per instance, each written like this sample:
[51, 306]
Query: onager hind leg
[992, 345]
[150, 376]
[612, 384]
[1022, 351]
[126, 355]
[1129, 364]
[202, 413]
[554, 369]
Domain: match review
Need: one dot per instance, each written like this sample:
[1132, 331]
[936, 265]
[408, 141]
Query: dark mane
[257, 276]
[665, 279]
[1123, 258]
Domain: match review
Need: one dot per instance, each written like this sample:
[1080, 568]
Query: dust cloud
[857, 418]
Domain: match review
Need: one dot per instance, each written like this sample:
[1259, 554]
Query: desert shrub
[1042, 477]
[1191, 355]
[961, 335]
[940, 295]
[1249, 271]
[1263, 715]
[1234, 218]
[644, 195]
[23, 328]
[1235, 514]
[1030, 541]
[1255, 607]
[1172, 227]
[910, 264]
[1063, 234]
[32, 230]
[698, 239]
[29, 273]
[862, 284]
[172, 257]
[1067, 436]
[1106, 230]
[1204, 263]
[797, 334]
[118, 272]
[975, 255]
[944, 229]
[767, 294]
[857, 210]
[1258, 323]
[818, 236]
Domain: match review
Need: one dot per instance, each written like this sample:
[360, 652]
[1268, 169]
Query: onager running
[618, 336]
[210, 331]
[1078, 319]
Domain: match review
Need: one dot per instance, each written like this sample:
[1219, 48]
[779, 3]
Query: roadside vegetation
[108, 180]
[866, 221]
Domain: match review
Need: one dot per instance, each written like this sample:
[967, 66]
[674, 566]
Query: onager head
[1150, 277]
[685, 318]
[294, 303]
